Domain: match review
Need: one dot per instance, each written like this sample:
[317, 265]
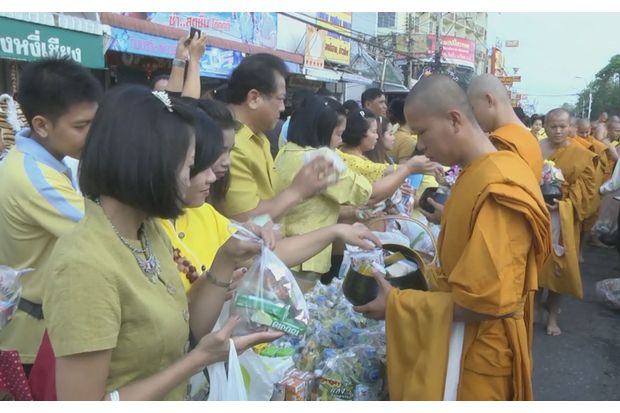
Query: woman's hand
[215, 346]
[358, 235]
[236, 280]
[197, 46]
[421, 164]
[240, 251]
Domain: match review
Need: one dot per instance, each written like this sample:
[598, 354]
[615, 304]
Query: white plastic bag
[268, 295]
[261, 373]
[10, 292]
[229, 387]
[609, 291]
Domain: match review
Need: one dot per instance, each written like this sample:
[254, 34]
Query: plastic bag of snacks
[609, 292]
[268, 295]
[10, 292]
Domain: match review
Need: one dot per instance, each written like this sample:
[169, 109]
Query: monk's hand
[434, 217]
[376, 308]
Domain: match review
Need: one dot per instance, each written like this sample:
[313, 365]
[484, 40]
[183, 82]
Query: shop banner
[337, 48]
[216, 62]
[28, 41]
[247, 27]
[314, 55]
[455, 50]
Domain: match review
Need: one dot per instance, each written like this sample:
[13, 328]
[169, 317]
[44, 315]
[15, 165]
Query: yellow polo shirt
[198, 234]
[251, 172]
[97, 298]
[404, 144]
[319, 211]
[38, 204]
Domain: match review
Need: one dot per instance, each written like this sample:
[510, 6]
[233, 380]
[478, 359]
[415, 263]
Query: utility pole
[438, 42]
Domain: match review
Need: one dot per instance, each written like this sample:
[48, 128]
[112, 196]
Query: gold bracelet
[211, 278]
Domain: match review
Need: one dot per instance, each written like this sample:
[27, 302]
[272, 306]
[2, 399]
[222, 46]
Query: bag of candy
[268, 296]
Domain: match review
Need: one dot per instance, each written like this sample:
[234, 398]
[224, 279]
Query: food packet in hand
[268, 296]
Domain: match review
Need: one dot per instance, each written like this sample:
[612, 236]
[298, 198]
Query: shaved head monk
[492, 107]
[495, 235]
[603, 172]
[561, 274]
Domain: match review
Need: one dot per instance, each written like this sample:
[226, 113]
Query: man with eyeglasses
[257, 90]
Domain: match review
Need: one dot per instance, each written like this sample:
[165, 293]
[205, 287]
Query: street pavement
[584, 362]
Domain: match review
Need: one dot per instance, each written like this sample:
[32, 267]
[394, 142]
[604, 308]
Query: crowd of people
[134, 260]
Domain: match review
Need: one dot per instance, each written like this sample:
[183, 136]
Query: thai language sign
[21, 40]
[216, 62]
[337, 47]
[247, 27]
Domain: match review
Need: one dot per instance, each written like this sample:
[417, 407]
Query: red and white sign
[455, 50]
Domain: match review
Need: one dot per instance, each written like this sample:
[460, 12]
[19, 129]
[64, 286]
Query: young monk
[561, 274]
[495, 237]
[489, 99]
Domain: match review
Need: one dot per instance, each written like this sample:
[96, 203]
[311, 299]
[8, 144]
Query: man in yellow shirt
[404, 141]
[257, 92]
[38, 202]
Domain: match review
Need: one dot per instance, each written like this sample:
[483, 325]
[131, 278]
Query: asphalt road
[584, 362]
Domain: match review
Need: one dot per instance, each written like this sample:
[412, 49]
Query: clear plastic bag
[10, 292]
[609, 291]
[268, 295]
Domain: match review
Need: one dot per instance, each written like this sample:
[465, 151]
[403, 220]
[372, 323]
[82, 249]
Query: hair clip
[362, 113]
[165, 99]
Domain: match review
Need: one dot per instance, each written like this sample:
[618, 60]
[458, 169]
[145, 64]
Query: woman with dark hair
[350, 105]
[361, 136]
[320, 125]
[117, 315]
[385, 143]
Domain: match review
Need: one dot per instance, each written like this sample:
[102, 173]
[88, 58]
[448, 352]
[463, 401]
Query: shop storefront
[23, 41]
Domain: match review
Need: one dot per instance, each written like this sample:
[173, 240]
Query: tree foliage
[605, 91]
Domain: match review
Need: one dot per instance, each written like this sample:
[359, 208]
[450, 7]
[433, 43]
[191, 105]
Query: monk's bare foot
[553, 329]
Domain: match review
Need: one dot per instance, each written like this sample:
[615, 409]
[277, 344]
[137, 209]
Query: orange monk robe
[579, 202]
[517, 139]
[495, 237]
[603, 171]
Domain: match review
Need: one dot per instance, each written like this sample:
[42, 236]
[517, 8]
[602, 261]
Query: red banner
[455, 50]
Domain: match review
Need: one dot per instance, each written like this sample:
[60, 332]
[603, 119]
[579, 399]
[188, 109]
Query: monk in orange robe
[561, 274]
[495, 235]
[603, 172]
[489, 99]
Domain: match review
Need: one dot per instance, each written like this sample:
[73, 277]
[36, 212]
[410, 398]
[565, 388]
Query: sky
[555, 48]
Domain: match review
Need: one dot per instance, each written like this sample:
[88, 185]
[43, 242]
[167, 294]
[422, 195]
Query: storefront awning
[29, 41]
[353, 78]
[324, 75]
[394, 88]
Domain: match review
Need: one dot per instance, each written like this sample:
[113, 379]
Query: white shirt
[613, 184]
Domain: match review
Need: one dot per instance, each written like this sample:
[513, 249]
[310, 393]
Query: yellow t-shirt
[541, 134]
[319, 211]
[38, 204]
[404, 144]
[198, 233]
[251, 172]
[370, 170]
[97, 298]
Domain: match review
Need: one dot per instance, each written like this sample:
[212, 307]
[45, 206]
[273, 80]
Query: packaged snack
[268, 296]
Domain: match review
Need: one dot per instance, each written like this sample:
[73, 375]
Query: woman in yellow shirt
[117, 316]
[318, 124]
[202, 230]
